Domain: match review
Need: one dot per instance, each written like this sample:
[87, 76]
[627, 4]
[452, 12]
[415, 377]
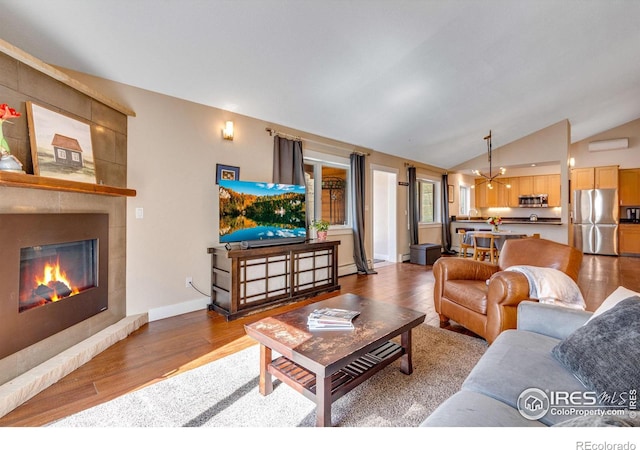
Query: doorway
[384, 214]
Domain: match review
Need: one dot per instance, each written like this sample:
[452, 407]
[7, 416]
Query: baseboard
[179, 308]
[348, 269]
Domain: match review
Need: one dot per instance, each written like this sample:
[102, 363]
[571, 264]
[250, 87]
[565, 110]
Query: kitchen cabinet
[502, 192]
[583, 178]
[541, 184]
[526, 185]
[491, 197]
[513, 193]
[481, 193]
[502, 196]
[604, 177]
[629, 239]
[555, 190]
[629, 187]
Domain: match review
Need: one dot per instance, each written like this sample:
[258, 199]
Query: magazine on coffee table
[331, 319]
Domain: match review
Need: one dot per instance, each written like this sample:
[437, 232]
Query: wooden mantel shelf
[15, 179]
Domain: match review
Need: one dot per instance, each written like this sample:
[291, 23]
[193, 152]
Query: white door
[384, 213]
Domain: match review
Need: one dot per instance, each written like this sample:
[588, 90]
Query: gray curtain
[413, 206]
[446, 219]
[357, 208]
[288, 164]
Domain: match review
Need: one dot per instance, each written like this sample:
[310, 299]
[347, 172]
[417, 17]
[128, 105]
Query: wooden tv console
[248, 280]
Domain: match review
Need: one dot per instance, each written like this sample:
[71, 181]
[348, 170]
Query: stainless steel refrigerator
[595, 221]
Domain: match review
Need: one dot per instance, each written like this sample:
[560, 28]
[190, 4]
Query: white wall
[628, 158]
[173, 149]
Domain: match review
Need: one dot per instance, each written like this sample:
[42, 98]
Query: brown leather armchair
[483, 297]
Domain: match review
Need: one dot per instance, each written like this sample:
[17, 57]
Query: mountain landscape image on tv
[255, 211]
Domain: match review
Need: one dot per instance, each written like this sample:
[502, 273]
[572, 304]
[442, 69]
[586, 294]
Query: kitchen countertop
[513, 220]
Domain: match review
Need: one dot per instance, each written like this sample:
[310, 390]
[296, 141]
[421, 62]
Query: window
[465, 198]
[327, 190]
[426, 191]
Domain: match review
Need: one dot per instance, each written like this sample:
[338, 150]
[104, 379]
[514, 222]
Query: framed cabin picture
[60, 145]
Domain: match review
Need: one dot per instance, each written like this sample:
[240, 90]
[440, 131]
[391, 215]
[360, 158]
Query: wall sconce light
[572, 162]
[227, 131]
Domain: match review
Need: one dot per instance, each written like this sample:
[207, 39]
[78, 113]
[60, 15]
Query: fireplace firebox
[53, 274]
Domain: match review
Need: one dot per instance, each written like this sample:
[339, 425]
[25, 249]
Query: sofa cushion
[472, 409]
[472, 294]
[551, 320]
[603, 354]
[516, 361]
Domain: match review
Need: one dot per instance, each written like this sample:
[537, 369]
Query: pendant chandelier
[489, 179]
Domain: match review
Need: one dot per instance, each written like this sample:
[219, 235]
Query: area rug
[224, 393]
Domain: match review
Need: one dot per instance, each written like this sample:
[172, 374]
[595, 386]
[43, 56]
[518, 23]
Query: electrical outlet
[188, 281]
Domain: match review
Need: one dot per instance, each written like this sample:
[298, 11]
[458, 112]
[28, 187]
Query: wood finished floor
[171, 346]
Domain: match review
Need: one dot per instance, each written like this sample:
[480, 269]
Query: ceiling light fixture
[489, 179]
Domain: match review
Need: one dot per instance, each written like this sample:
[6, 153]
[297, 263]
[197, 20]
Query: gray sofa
[517, 361]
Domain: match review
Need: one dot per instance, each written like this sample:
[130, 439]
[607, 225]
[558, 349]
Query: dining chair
[463, 245]
[481, 249]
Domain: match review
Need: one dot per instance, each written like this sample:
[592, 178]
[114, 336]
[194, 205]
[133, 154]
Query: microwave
[533, 201]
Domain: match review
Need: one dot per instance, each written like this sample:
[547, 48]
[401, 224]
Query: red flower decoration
[8, 113]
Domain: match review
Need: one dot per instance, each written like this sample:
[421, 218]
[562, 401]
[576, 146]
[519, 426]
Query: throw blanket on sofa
[551, 286]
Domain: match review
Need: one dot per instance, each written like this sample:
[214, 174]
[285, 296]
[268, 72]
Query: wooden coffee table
[326, 364]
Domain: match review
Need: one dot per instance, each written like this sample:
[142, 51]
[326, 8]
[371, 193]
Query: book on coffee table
[331, 319]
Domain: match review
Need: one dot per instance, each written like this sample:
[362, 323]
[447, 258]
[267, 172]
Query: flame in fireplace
[53, 276]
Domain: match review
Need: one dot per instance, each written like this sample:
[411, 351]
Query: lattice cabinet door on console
[249, 280]
[263, 279]
[312, 270]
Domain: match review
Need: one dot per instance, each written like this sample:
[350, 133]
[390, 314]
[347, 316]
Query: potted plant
[321, 226]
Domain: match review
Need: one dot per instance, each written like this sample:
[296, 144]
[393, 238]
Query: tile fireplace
[53, 274]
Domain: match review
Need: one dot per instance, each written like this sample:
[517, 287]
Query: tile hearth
[22, 388]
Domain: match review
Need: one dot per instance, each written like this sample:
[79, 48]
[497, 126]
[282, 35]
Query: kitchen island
[514, 220]
[548, 228]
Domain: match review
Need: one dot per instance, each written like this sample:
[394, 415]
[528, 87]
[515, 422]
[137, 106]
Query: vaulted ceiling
[424, 80]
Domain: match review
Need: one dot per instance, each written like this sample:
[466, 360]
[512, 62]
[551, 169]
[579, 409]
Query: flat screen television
[259, 214]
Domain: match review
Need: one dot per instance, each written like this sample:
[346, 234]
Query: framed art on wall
[450, 193]
[224, 172]
[60, 145]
